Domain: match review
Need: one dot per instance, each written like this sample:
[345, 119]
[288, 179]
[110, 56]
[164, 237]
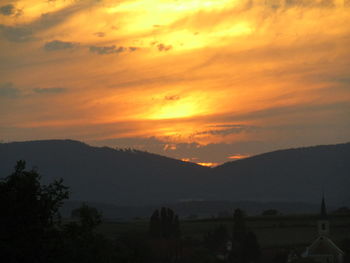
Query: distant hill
[107, 175]
[127, 177]
[300, 174]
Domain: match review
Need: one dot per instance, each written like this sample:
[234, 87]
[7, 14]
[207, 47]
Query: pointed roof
[323, 246]
[323, 214]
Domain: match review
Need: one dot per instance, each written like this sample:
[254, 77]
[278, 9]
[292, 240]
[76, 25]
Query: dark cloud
[8, 90]
[229, 126]
[172, 97]
[106, 50]
[309, 3]
[286, 111]
[59, 45]
[228, 129]
[16, 34]
[55, 90]
[342, 80]
[7, 10]
[291, 3]
[132, 49]
[162, 47]
[46, 21]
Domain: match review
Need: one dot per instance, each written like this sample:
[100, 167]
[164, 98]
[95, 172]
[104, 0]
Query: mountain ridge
[131, 177]
[287, 149]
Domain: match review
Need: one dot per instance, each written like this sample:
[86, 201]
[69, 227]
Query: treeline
[31, 230]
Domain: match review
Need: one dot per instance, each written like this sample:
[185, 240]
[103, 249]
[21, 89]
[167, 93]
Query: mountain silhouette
[300, 174]
[103, 174]
[130, 177]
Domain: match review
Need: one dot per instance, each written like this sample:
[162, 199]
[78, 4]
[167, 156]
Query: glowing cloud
[212, 72]
[238, 156]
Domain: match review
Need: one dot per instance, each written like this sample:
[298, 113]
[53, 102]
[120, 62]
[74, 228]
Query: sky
[207, 81]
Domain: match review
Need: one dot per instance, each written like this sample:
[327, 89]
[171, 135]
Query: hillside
[296, 174]
[108, 175]
[124, 178]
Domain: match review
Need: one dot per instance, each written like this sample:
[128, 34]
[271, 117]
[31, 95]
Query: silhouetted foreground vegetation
[31, 230]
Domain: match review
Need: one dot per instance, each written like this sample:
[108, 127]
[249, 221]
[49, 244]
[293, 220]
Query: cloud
[132, 49]
[304, 110]
[228, 129]
[7, 90]
[59, 45]
[16, 34]
[26, 32]
[55, 90]
[105, 50]
[307, 3]
[100, 34]
[341, 80]
[162, 47]
[172, 97]
[194, 152]
[7, 10]
[274, 4]
[238, 156]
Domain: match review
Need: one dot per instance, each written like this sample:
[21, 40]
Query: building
[323, 249]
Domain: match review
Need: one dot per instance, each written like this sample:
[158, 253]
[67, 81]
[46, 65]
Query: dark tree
[245, 246]
[239, 229]
[89, 217]
[82, 243]
[164, 224]
[29, 219]
[164, 230]
[155, 225]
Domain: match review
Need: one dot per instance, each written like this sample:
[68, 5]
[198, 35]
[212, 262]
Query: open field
[272, 231]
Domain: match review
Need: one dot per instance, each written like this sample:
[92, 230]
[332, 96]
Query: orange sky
[199, 80]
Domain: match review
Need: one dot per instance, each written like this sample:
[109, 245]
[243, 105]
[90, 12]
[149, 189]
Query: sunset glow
[208, 164]
[217, 80]
[238, 157]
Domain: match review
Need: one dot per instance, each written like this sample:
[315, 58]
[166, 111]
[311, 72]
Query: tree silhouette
[155, 226]
[82, 243]
[29, 219]
[245, 246]
[89, 217]
[239, 229]
[164, 224]
[164, 231]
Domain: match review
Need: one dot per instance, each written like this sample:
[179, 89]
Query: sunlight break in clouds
[238, 157]
[211, 78]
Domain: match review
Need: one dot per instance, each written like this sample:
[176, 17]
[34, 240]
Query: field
[272, 231]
